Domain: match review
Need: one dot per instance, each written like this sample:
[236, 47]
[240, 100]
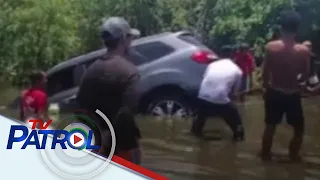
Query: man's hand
[310, 89]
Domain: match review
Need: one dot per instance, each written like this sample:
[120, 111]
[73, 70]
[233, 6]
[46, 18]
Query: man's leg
[200, 120]
[100, 129]
[267, 141]
[242, 97]
[232, 117]
[105, 145]
[274, 110]
[295, 145]
[295, 118]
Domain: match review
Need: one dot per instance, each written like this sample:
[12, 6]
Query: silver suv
[171, 66]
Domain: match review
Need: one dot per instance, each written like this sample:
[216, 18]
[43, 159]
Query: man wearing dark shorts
[285, 60]
[110, 86]
[217, 91]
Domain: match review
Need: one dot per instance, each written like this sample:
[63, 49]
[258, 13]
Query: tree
[36, 34]
[39, 34]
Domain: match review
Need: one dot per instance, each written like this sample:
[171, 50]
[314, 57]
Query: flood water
[171, 151]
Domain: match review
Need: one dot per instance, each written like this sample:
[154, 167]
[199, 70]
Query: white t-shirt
[220, 78]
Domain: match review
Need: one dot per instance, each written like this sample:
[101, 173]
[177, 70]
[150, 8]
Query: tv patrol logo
[67, 152]
[76, 137]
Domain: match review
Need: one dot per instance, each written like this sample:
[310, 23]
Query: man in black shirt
[110, 86]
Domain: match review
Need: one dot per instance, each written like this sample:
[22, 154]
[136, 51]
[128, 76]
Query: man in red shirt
[244, 59]
[33, 101]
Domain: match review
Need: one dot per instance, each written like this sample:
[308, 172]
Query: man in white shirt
[219, 87]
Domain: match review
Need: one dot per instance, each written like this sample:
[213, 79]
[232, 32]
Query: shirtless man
[285, 60]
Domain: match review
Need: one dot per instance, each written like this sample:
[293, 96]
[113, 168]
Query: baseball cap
[117, 27]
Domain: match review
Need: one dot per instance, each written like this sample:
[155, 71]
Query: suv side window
[153, 50]
[67, 78]
[61, 81]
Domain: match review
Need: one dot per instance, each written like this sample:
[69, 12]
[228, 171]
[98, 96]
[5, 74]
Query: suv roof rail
[154, 36]
[179, 33]
[189, 33]
[150, 38]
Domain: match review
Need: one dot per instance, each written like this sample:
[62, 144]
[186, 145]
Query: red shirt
[33, 100]
[245, 61]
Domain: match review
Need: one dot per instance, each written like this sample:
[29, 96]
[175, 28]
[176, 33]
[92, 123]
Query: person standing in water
[110, 85]
[34, 100]
[282, 90]
[244, 59]
[218, 90]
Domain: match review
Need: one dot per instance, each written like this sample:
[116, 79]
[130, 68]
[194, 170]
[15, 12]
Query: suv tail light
[204, 57]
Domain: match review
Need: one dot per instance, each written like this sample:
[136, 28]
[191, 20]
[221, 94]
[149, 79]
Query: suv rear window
[189, 38]
[153, 50]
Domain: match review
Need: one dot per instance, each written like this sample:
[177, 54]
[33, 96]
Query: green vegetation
[39, 34]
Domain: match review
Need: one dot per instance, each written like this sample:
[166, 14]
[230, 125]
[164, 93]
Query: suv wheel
[169, 106]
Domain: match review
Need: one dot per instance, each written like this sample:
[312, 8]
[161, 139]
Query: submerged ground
[170, 150]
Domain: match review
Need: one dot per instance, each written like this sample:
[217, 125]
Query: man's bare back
[284, 63]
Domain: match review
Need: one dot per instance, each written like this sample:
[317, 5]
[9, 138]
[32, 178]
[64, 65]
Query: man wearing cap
[282, 90]
[109, 85]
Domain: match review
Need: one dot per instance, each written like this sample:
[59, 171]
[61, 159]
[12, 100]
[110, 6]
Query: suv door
[61, 84]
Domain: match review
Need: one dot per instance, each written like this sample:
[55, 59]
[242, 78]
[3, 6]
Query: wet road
[170, 150]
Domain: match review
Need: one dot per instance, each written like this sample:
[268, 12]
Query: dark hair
[36, 76]
[276, 34]
[290, 21]
[244, 46]
[226, 51]
[109, 41]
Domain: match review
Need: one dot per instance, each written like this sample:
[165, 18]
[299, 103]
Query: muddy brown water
[170, 150]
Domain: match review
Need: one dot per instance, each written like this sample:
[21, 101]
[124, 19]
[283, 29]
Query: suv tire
[171, 105]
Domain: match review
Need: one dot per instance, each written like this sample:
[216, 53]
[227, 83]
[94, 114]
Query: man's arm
[266, 69]
[251, 63]
[129, 105]
[236, 87]
[131, 94]
[306, 55]
[128, 131]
